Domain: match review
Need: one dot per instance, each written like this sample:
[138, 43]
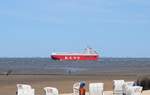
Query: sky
[36, 28]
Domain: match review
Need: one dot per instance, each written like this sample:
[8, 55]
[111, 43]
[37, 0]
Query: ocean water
[41, 66]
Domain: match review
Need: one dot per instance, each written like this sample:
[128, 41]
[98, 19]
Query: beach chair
[76, 88]
[96, 88]
[24, 89]
[118, 87]
[134, 90]
[51, 91]
[126, 85]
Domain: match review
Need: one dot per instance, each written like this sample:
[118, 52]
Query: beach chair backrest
[134, 90]
[118, 85]
[96, 88]
[76, 88]
[51, 91]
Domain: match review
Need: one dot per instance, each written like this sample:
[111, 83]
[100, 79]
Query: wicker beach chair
[134, 90]
[24, 89]
[51, 91]
[96, 88]
[118, 87]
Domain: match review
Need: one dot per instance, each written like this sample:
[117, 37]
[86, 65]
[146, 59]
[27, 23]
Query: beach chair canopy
[51, 91]
[96, 88]
[23, 86]
[24, 89]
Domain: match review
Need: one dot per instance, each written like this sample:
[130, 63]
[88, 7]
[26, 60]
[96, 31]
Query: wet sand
[63, 82]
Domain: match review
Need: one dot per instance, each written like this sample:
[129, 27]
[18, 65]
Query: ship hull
[75, 57]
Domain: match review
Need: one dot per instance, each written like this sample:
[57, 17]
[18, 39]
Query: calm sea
[128, 66]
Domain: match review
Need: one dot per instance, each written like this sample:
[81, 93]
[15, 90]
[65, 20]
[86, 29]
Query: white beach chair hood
[51, 91]
[96, 88]
[24, 89]
[118, 84]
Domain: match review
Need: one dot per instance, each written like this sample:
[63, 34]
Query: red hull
[75, 57]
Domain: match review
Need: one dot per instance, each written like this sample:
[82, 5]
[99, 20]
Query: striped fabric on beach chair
[24, 89]
[96, 88]
[118, 87]
[76, 88]
[51, 91]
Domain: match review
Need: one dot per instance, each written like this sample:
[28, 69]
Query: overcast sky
[36, 28]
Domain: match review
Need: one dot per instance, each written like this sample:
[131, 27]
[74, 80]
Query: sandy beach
[63, 82]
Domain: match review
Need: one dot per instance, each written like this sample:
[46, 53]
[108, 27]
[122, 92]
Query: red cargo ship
[88, 54]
